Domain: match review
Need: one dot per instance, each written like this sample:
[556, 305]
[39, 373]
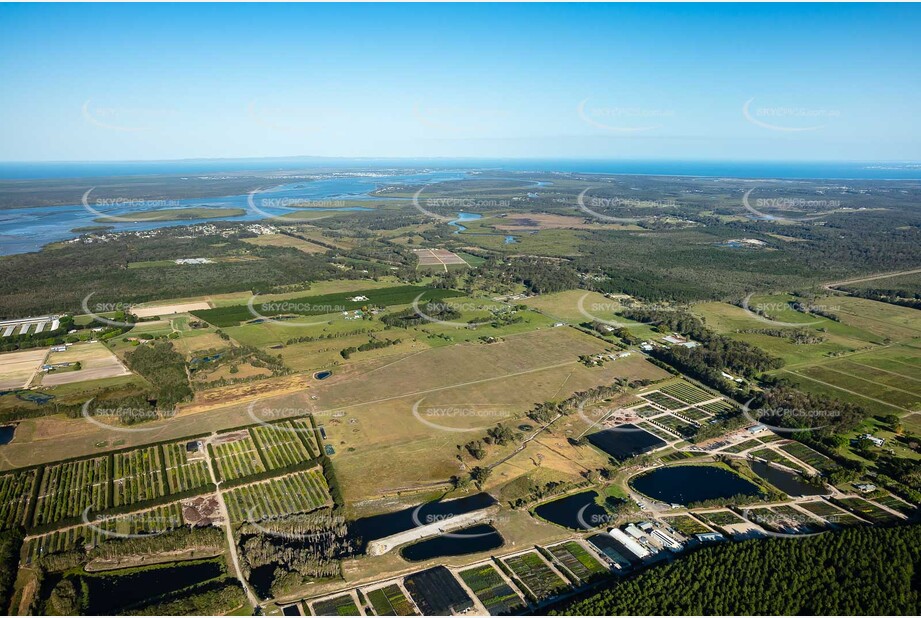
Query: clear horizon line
[450, 157]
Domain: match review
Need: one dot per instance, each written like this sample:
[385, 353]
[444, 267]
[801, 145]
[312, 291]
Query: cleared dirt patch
[282, 240]
[437, 257]
[17, 368]
[96, 360]
[397, 423]
[163, 310]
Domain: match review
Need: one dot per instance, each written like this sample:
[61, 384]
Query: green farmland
[325, 304]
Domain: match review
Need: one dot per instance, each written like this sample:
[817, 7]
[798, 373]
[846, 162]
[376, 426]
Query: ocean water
[868, 170]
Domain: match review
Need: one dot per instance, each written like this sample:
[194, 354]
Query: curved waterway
[28, 229]
[463, 216]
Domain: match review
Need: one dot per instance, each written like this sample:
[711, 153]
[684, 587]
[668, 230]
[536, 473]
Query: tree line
[856, 571]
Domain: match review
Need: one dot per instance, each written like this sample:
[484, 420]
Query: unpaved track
[832, 285]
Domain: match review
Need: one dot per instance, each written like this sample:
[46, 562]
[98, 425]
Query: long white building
[668, 541]
[22, 326]
[635, 548]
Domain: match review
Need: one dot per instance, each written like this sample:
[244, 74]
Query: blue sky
[125, 82]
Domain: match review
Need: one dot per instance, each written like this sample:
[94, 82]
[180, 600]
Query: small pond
[790, 483]
[6, 434]
[576, 512]
[470, 540]
[625, 441]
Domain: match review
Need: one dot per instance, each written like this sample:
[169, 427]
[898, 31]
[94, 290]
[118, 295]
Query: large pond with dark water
[108, 594]
[6, 434]
[379, 526]
[790, 483]
[117, 591]
[470, 540]
[577, 512]
[689, 484]
[625, 441]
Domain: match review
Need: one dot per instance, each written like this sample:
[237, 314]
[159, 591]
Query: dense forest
[295, 549]
[858, 571]
[165, 369]
[538, 275]
[714, 354]
[10, 544]
[110, 270]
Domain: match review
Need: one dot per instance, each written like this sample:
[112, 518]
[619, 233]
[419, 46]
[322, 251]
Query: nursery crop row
[390, 601]
[69, 488]
[300, 492]
[151, 521]
[687, 393]
[137, 476]
[183, 474]
[15, 494]
[237, 459]
[280, 445]
[492, 591]
[535, 574]
[578, 561]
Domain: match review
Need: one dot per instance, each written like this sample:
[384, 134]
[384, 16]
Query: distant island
[174, 214]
